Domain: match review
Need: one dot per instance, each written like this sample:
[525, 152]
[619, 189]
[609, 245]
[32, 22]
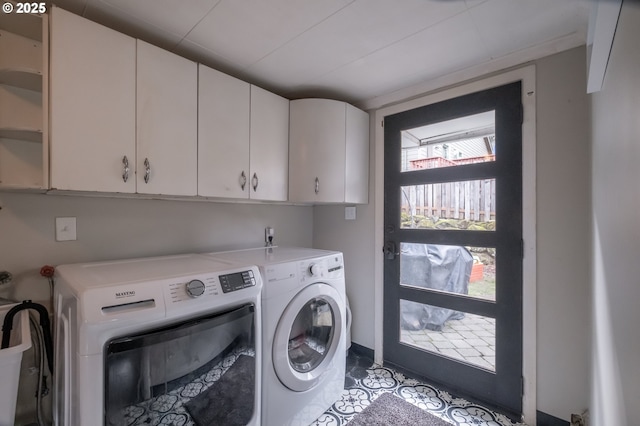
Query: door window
[311, 335]
[456, 142]
[458, 205]
[461, 270]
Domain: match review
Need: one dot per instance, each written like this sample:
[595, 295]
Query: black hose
[7, 325]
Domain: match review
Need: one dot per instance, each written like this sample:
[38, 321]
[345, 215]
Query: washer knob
[195, 288]
[314, 269]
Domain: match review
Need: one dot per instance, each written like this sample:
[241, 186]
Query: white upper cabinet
[123, 112]
[243, 139]
[93, 106]
[167, 113]
[269, 165]
[328, 152]
[129, 117]
[223, 135]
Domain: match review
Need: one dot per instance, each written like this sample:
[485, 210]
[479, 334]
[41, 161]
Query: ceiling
[359, 51]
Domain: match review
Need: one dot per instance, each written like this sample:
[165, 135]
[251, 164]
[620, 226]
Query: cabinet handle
[317, 185]
[125, 171]
[147, 170]
[243, 180]
[254, 182]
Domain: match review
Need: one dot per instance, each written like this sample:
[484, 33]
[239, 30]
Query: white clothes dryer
[163, 340]
[304, 331]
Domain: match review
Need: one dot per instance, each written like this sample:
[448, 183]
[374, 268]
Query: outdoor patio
[470, 339]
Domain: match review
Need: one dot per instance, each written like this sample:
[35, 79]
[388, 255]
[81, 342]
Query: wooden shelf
[25, 78]
[28, 135]
[20, 163]
[25, 25]
[20, 113]
[24, 148]
[20, 54]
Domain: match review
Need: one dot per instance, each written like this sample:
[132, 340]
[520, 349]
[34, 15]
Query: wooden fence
[471, 200]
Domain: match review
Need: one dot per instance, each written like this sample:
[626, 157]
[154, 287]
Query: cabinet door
[317, 151]
[357, 157]
[167, 111]
[223, 135]
[269, 146]
[93, 103]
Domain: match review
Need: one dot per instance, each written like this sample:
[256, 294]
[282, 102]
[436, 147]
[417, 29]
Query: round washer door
[307, 336]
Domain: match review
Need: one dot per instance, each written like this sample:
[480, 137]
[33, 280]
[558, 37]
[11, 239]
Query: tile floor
[365, 381]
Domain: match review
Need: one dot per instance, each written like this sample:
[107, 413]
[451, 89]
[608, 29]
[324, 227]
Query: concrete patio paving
[470, 339]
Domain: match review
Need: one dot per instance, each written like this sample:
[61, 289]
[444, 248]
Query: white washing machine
[164, 340]
[304, 331]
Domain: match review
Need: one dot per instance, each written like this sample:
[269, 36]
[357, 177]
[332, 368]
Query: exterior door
[453, 245]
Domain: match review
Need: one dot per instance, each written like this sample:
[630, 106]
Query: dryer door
[309, 334]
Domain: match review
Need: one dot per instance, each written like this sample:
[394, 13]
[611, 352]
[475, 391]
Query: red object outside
[477, 272]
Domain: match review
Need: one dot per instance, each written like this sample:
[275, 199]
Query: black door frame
[503, 387]
[428, 93]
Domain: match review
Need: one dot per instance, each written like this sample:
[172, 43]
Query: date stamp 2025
[24, 8]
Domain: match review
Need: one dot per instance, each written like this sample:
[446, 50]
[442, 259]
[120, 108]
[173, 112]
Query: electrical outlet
[65, 228]
[269, 235]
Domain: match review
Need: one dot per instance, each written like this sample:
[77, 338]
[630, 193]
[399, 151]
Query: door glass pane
[467, 205]
[451, 269]
[458, 335]
[311, 335]
[457, 142]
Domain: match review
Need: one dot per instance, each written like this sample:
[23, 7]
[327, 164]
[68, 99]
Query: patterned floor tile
[365, 384]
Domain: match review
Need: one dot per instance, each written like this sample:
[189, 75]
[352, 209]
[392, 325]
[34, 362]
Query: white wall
[112, 228]
[616, 230]
[563, 235]
[355, 239]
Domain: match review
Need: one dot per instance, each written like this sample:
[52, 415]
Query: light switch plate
[350, 213]
[65, 228]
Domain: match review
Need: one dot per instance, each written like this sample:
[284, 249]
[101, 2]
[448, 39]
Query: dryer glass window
[181, 372]
[311, 335]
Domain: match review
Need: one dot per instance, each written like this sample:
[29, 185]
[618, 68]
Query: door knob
[390, 250]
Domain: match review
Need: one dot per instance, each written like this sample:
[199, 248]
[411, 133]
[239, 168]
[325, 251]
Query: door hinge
[522, 248]
[521, 386]
[382, 123]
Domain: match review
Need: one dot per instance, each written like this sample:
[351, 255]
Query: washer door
[307, 337]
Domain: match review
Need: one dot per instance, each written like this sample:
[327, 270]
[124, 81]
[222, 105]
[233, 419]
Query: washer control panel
[203, 287]
[328, 267]
[195, 288]
[211, 285]
[237, 281]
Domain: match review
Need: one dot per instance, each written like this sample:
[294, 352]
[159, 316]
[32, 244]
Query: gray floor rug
[229, 401]
[388, 409]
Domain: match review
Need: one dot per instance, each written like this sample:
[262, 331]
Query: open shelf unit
[24, 148]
